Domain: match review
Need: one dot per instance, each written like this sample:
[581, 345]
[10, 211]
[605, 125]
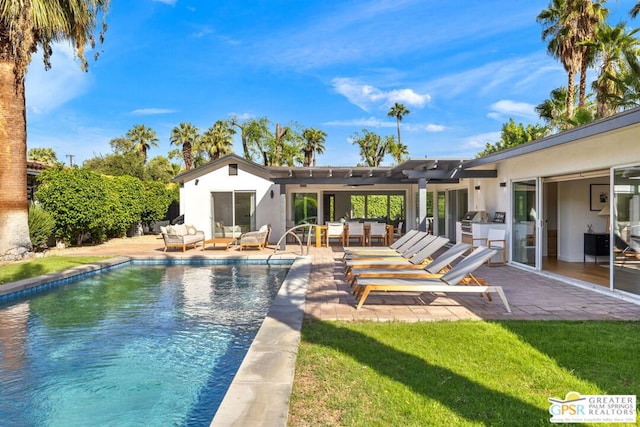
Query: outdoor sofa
[181, 236]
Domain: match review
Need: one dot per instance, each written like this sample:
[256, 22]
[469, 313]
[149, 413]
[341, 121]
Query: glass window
[396, 208]
[233, 213]
[524, 221]
[442, 213]
[377, 206]
[305, 208]
[626, 229]
[358, 209]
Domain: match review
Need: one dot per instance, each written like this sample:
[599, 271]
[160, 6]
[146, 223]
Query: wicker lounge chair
[256, 239]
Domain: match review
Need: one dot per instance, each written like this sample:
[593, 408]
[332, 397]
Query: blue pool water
[134, 346]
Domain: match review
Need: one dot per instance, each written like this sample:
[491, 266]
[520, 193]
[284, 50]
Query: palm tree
[43, 155]
[554, 111]
[314, 143]
[398, 111]
[185, 135]
[143, 139]
[636, 9]
[27, 27]
[616, 55]
[560, 28]
[218, 140]
[590, 16]
[398, 151]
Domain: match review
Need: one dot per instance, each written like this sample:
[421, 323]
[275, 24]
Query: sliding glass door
[233, 213]
[625, 229]
[524, 235]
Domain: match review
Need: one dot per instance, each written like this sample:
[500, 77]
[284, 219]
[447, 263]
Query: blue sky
[462, 68]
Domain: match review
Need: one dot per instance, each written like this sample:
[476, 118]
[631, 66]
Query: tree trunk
[187, 155]
[583, 81]
[307, 159]
[570, 94]
[14, 210]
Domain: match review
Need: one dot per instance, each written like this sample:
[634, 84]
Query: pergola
[413, 171]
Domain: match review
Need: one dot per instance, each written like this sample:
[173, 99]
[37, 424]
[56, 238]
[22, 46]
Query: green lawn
[37, 267]
[467, 373]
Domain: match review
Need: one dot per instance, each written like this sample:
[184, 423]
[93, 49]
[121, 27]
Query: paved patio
[531, 296]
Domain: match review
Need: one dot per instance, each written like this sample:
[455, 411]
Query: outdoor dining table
[322, 229]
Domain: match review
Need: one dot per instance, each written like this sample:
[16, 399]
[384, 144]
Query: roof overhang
[408, 172]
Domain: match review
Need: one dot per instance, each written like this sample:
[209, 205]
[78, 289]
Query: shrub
[77, 200]
[41, 225]
[157, 198]
[125, 204]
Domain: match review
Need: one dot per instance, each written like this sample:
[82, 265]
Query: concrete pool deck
[316, 288]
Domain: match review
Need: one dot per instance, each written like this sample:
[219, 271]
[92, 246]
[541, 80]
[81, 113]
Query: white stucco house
[573, 196]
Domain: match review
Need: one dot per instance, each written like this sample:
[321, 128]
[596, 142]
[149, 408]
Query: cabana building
[569, 204]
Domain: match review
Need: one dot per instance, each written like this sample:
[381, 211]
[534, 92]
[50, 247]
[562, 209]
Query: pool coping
[261, 388]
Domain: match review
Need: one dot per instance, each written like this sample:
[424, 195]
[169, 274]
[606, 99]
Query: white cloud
[435, 128]
[169, 2]
[509, 109]
[429, 127]
[368, 122]
[204, 31]
[407, 96]
[366, 96]
[152, 111]
[242, 116]
[481, 140]
[513, 75]
[48, 90]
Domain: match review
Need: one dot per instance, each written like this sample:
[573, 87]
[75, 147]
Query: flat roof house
[569, 199]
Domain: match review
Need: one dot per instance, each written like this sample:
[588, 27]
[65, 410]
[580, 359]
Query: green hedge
[86, 204]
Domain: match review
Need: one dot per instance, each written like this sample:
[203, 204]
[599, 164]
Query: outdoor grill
[473, 217]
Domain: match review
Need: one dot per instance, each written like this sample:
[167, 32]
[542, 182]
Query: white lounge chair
[450, 282]
[436, 268]
[407, 250]
[407, 239]
[423, 255]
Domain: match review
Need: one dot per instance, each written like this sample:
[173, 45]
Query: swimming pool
[138, 345]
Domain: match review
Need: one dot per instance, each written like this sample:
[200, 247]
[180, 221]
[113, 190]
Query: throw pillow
[171, 230]
[181, 229]
[191, 230]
